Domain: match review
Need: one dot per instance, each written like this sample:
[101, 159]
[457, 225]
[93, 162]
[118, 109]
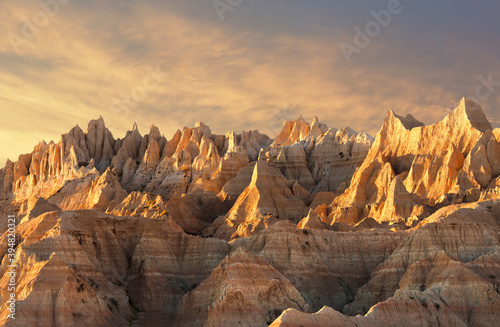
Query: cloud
[261, 64]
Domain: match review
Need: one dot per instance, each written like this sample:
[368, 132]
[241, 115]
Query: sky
[239, 64]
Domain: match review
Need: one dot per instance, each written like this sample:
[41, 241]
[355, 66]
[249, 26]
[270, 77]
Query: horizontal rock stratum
[316, 227]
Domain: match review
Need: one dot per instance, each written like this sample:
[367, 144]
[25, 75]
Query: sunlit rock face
[317, 157]
[264, 201]
[448, 162]
[316, 227]
[444, 272]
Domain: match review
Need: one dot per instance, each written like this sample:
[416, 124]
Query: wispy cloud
[232, 75]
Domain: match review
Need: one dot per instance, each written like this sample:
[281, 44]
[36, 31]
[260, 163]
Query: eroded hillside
[316, 227]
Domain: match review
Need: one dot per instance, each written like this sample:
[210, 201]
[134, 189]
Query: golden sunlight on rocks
[316, 227]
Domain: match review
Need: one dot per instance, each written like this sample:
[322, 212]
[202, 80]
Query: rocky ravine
[317, 227]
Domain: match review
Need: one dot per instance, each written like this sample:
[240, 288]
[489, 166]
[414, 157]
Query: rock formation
[312, 221]
[265, 200]
[326, 267]
[438, 164]
[75, 264]
[243, 290]
[239, 229]
[444, 273]
[38, 208]
[318, 158]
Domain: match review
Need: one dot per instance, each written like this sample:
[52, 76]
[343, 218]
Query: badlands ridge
[316, 227]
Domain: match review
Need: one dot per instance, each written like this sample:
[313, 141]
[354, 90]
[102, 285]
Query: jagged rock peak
[135, 128]
[154, 133]
[409, 122]
[202, 126]
[263, 173]
[300, 119]
[473, 112]
[292, 131]
[350, 130]
[312, 221]
[98, 121]
[134, 131]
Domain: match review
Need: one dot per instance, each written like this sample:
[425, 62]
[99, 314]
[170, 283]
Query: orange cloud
[89, 60]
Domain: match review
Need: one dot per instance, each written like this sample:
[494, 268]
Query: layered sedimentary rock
[193, 159]
[312, 221]
[139, 204]
[243, 290]
[265, 200]
[230, 165]
[438, 164]
[75, 264]
[192, 212]
[412, 310]
[232, 229]
[92, 191]
[326, 267]
[336, 156]
[233, 189]
[39, 207]
[317, 157]
[444, 273]
[465, 233]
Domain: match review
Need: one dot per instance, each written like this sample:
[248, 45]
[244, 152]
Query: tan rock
[109, 265]
[253, 142]
[464, 232]
[322, 198]
[292, 132]
[39, 207]
[171, 145]
[192, 212]
[50, 293]
[150, 154]
[326, 267]
[335, 157]
[99, 141]
[267, 199]
[233, 161]
[292, 162]
[91, 191]
[128, 171]
[332, 155]
[139, 204]
[7, 178]
[206, 205]
[415, 152]
[399, 204]
[233, 189]
[243, 290]
[391, 263]
[130, 146]
[312, 221]
[493, 190]
[412, 309]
